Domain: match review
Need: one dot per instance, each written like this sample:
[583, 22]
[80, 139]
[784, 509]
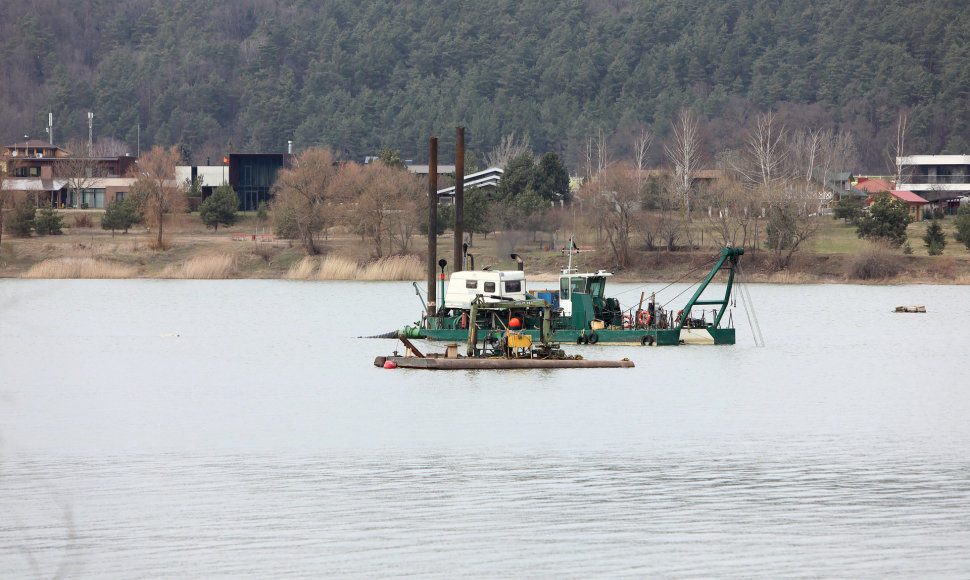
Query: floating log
[910, 309]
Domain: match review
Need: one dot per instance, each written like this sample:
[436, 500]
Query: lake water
[262, 442]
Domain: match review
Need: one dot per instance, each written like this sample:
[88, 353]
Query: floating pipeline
[472, 363]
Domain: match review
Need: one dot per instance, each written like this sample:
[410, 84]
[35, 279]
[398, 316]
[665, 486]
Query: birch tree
[508, 149]
[684, 153]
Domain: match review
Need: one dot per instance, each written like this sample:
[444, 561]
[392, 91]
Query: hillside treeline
[359, 75]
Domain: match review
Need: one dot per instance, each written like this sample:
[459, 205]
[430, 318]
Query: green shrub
[934, 239]
[962, 223]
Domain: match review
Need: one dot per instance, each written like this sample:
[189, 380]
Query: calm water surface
[261, 441]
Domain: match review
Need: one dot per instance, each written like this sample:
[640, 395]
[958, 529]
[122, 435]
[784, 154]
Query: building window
[472, 284]
[490, 287]
[513, 286]
[93, 198]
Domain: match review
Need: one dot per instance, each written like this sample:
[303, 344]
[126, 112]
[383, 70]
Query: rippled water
[262, 442]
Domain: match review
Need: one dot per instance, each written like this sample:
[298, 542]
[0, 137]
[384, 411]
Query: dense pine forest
[361, 75]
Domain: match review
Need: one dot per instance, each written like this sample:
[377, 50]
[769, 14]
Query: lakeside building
[50, 174]
[486, 180]
[939, 179]
[251, 176]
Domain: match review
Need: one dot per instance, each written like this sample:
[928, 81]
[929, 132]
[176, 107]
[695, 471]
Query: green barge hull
[624, 337]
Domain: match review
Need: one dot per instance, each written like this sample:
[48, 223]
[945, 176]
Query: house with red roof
[872, 185]
[913, 201]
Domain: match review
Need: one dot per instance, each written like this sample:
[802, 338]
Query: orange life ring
[644, 318]
[680, 317]
[626, 321]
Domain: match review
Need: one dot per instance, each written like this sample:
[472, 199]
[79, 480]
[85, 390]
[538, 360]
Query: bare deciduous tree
[731, 212]
[508, 149]
[386, 206]
[617, 202]
[8, 198]
[789, 225]
[684, 153]
[641, 147]
[898, 150]
[766, 152]
[110, 147]
[301, 192]
[80, 171]
[597, 154]
[157, 190]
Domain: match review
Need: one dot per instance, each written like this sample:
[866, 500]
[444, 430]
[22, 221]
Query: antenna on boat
[572, 246]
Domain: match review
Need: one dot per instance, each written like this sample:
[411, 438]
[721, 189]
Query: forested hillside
[359, 75]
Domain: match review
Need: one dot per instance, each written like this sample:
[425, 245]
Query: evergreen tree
[475, 212]
[48, 222]
[848, 208]
[962, 222]
[120, 214]
[519, 175]
[551, 180]
[21, 219]
[887, 219]
[391, 158]
[933, 239]
[526, 211]
[220, 207]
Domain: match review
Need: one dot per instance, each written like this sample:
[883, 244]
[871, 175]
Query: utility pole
[90, 133]
[459, 264]
[432, 224]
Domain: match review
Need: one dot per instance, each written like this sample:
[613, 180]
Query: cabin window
[513, 286]
[564, 288]
[597, 287]
[490, 287]
[579, 285]
[472, 284]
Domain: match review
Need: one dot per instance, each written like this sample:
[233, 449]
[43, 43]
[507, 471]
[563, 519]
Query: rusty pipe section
[432, 222]
[459, 197]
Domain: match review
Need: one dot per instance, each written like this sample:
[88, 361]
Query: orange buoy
[514, 322]
[389, 364]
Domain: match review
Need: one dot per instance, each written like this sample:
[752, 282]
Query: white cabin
[492, 285]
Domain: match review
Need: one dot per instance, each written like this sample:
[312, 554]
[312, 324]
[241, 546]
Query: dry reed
[79, 268]
[337, 268]
[343, 268]
[393, 268]
[207, 267]
[302, 270]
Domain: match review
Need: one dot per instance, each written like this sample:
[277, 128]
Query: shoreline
[234, 254]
